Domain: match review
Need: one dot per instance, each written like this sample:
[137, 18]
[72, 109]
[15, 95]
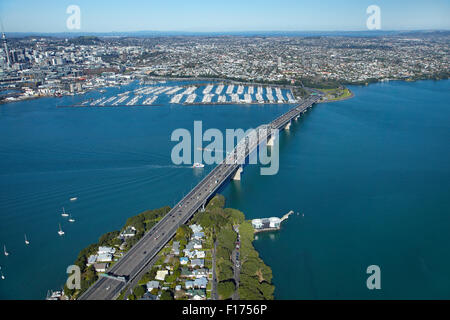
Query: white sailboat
[1, 272]
[64, 214]
[73, 199]
[26, 240]
[71, 219]
[60, 232]
[4, 251]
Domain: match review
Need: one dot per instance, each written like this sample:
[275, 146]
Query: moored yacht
[60, 232]
[64, 214]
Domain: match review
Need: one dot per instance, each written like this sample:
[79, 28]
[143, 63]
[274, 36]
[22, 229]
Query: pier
[269, 224]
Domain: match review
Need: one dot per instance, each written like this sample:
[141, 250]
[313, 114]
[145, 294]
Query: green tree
[236, 216]
[139, 291]
[167, 295]
[225, 289]
[183, 233]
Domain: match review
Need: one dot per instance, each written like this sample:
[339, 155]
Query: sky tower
[5, 46]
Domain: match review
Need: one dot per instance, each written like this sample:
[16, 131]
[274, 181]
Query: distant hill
[85, 40]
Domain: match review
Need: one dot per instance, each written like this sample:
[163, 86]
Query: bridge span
[137, 260]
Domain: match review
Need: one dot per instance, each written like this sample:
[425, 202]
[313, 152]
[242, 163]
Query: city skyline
[233, 16]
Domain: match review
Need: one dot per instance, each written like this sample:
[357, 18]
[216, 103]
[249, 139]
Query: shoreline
[232, 81]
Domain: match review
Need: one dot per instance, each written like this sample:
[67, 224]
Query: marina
[194, 94]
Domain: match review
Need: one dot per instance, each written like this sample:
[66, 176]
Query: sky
[222, 16]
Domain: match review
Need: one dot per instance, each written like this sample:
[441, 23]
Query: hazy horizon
[200, 16]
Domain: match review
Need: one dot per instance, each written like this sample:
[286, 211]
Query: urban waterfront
[370, 174]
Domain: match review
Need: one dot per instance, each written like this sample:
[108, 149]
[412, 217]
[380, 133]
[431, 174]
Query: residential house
[198, 235]
[196, 228]
[104, 257]
[161, 274]
[197, 263]
[101, 267]
[198, 273]
[200, 254]
[176, 248]
[200, 283]
[189, 284]
[197, 294]
[109, 250]
[152, 285]
[128, 232]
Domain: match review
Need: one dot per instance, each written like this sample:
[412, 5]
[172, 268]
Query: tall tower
[5, 45]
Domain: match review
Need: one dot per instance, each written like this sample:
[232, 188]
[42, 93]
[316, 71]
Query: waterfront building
[264, 223]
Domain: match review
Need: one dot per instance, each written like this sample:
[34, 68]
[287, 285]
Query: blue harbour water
[371, 175]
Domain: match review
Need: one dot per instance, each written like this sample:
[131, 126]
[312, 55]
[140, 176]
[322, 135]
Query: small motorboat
[198, 165]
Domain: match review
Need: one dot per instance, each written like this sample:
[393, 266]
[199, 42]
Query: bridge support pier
[237, 174]
[288, 126]
[271, 141]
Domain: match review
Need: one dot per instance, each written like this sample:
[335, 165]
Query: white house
[196, 228]
[109, 250]
[128, 232]
[104, 257]
[152, 285]
[161, 274]
[200, 254]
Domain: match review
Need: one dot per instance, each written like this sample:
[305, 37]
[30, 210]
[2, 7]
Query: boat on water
[73, 199]
[26, 240]
[1, 273]
[71, 219]
[4, 251]
[60, 232]
[198, 165]
[64, 214]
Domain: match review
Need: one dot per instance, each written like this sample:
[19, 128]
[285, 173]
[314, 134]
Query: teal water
[371, 175]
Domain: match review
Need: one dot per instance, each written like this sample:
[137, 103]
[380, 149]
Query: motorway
[142, 254]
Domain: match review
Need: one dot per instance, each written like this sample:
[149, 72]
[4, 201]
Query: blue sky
[225, 15]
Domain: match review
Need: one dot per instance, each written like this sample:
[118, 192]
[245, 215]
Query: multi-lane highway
[142, 254]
